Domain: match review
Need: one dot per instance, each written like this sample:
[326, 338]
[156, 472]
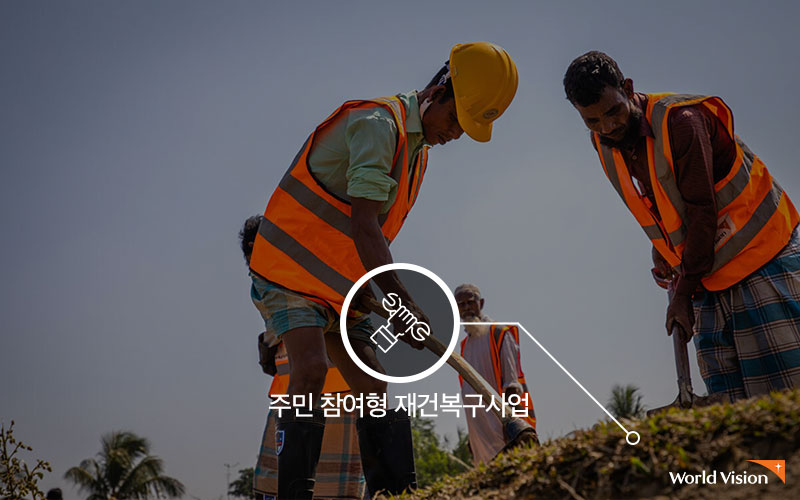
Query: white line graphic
[628, 434]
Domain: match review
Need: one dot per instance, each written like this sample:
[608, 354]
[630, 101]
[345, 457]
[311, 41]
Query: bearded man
[719, 223]
[493, 351]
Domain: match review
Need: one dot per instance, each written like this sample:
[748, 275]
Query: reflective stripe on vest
[304, 244]
[755, 218]
[334, 382]
[497, 333]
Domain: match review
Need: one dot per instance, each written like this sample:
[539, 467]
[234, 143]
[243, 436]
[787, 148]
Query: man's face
[469, 306]
[613, 117]
[440, 122]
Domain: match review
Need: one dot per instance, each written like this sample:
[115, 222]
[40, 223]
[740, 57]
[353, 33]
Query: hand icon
[409, 322]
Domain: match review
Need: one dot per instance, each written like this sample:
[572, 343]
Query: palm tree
[626, 402]
[124, 469]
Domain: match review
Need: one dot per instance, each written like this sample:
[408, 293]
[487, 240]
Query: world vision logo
[776, 466]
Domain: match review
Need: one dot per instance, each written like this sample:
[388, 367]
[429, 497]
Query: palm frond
[626, 402]
[124, 469]
[80, 476]
[88, 477]
[147, 468]
[165, 486]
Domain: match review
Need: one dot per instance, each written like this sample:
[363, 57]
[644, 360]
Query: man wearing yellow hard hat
[343, 199]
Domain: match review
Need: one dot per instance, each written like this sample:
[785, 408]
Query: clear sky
[135, 137]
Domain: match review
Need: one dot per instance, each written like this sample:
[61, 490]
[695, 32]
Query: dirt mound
[597, 463]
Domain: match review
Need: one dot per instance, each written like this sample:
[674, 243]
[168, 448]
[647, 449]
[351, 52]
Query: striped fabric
[284, 310]
[339, 473]
[748, 336]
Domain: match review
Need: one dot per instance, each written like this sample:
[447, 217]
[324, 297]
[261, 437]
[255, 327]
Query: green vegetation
[462, 451]
[433, 461]
[17, 480]
[242, 487]
[124, 469]
[597, 463]
[626, 402]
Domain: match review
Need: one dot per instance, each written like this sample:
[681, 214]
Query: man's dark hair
[247, 235]
[54, 494]
[442, 77]
[588, 75]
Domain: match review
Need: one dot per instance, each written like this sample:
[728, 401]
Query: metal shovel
[686, 397]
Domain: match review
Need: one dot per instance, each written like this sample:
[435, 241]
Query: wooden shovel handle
[467, 372]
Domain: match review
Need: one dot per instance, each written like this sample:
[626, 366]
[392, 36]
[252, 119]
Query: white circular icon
[349, 298]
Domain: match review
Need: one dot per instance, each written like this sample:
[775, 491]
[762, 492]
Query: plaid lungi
[284, 310]
[748, 336]
[338, 472]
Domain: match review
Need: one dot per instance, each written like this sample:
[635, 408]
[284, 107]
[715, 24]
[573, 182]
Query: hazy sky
[135, 137]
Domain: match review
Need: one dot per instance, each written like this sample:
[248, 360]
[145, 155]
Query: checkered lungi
[748, 336]
[339, 473]
[284, 310]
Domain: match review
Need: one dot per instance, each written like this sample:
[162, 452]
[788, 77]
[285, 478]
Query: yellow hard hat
[484, 82]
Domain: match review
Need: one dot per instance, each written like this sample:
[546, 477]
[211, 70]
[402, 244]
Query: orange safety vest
[755, 218]
[304, 243]
[497, 334]
[334, 382]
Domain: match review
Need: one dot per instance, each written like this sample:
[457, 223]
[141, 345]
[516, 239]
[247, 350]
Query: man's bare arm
[373, 250]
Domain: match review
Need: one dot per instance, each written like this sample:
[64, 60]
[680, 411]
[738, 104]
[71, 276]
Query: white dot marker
[630, 440]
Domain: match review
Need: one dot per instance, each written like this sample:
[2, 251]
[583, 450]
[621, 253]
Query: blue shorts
[284, 310]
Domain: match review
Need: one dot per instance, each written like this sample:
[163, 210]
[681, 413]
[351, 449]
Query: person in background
[54, 494]
[339, 472]
[493, 350]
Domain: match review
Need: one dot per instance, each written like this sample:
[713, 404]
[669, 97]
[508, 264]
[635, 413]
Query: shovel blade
[518, 432]
[674, 404]
[711, 399]
[695, 402]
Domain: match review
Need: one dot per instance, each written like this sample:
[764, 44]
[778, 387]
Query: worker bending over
[716, 218]
[330, 220]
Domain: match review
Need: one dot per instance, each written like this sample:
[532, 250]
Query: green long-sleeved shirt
[352, 157]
